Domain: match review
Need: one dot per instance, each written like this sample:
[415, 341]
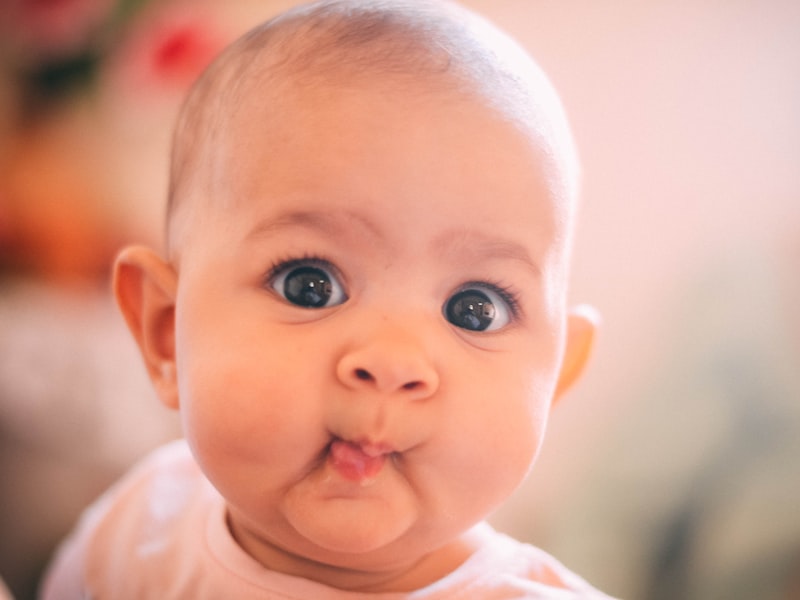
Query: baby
[361, 319]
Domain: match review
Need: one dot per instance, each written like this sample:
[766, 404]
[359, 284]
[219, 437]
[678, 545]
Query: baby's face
[369, 324]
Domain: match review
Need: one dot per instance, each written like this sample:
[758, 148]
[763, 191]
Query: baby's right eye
[308, 283]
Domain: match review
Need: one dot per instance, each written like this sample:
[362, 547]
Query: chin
[354, 540]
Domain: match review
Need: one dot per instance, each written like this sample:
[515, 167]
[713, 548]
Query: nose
[389, 365]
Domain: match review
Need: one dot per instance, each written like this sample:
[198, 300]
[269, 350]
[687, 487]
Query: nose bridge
[391, 359]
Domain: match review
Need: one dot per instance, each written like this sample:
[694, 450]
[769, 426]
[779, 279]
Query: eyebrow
[458, 244]
[328, 222]
[477, 246]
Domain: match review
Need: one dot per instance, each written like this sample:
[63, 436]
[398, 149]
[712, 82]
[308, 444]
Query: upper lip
[373, 449]
[369, 447]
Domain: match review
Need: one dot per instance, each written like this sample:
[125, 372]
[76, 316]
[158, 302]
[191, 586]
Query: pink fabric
[161, 533]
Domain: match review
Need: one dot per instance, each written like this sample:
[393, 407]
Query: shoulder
[142, 520]
[503, 567]
[149, 497]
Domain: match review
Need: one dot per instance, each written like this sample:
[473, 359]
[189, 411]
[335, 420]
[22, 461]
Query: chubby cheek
[503, 449]
[240, 403]
[498, 438]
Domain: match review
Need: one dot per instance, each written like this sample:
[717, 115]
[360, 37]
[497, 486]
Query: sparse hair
[433, 44]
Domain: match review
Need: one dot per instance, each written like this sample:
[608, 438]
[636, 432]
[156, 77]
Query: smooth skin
[402, 202]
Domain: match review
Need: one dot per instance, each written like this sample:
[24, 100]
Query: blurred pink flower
[51, 27]
[169, 49]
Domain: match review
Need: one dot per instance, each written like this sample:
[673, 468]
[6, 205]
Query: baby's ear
[145, 287]
[582, 323]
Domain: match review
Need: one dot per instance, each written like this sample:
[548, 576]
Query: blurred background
[671, 471]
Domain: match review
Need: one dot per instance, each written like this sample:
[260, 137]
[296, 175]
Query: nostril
[363, 375]
[403, 376]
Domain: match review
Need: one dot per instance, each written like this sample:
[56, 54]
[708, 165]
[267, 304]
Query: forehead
[425, 160]
[339, 122]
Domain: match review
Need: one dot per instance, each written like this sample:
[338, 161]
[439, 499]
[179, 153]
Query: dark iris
[308, 286]
[470, 309]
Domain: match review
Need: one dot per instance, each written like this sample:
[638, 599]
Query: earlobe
[582, 323]
[145, 287]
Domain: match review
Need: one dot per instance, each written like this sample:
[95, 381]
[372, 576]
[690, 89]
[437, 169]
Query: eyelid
[281, 266]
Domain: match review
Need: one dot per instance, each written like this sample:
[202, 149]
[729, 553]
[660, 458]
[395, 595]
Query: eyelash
[507, 293]
[306, 260]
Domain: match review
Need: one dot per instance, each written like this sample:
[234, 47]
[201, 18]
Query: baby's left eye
[479, 307]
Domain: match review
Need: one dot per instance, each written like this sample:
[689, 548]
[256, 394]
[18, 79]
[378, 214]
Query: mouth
[357, 461]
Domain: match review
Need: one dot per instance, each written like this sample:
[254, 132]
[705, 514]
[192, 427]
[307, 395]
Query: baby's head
[362, 315]
[416, 52]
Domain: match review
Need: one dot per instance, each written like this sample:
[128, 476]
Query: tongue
[352, 462]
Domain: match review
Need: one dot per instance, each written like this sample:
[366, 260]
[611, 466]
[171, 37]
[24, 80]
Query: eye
[479, 307]
[308, 283]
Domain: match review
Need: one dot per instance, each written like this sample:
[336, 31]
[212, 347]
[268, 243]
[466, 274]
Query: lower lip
[351, 462]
